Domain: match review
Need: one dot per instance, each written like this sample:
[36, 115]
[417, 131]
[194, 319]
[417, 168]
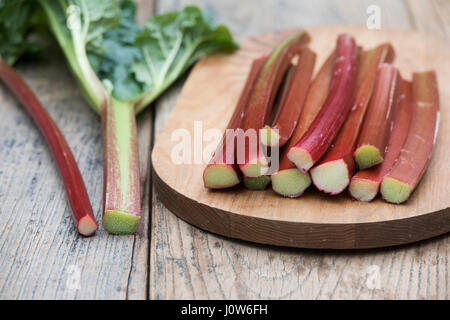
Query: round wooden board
[313, 220]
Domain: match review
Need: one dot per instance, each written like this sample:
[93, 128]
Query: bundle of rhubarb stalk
[356, 125]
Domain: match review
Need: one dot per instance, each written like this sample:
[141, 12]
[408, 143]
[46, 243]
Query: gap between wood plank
[145, 10]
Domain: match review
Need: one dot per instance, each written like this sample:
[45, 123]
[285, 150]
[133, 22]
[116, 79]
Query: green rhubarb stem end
[120, 223]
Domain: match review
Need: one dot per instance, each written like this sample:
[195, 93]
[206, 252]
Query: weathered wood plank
[145, 10]
[442, 8]
[250, 17]
[139, 272]
[426, 18]
[189, 263]
[41, 254]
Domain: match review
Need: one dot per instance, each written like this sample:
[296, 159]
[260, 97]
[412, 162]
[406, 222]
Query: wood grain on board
[189, 263]
[41, 254]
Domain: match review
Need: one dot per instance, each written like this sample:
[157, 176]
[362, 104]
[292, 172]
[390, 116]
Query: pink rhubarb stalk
[415, 155]
[292, 101]
[376, 129]
[316, 141]
[261, 102]
[223, 171]
[332, 175]
[76, 191]
[288, 181]
[365, 184]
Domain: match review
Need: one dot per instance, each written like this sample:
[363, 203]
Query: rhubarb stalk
[261, 101]
[375, 131]
[365, 184]
[332, 175]
[76, 191]
[121, 198]
[415, 155]
[288, 181]
[316, 141]
[223, 171]
[127, 74]
[121, 210]
[258, 183]
[292, 101]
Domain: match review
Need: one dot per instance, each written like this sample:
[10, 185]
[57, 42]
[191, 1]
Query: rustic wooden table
[42, 256]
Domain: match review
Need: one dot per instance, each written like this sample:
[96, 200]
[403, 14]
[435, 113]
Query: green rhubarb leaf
[103, 44]
[171, 43]
[98, 17]
[137, 64]
[119, 54]
[83, 20]
[16, 20]
[142, 63]
[79, 26]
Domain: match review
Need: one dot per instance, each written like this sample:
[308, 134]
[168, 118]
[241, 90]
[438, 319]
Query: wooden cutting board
[313, 220]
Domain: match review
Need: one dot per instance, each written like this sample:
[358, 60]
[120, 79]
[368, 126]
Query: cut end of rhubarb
[259, 183]
[363, 190]
[395, 191]
[331, 177]
[87, 226]
[220, 176]
[269, 137]
[290, 183]
[255, 168]
[367, 156]
[120, 223]
[301, 158]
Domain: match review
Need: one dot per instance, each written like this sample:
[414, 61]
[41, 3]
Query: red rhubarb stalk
[76, 191]
[316, 97]
[292, 101]
[288, 181]
[376, 129]
[365, 184]
[254, 162]
[332, 175]
[223, 171]
[316, 141]
[415, 155]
